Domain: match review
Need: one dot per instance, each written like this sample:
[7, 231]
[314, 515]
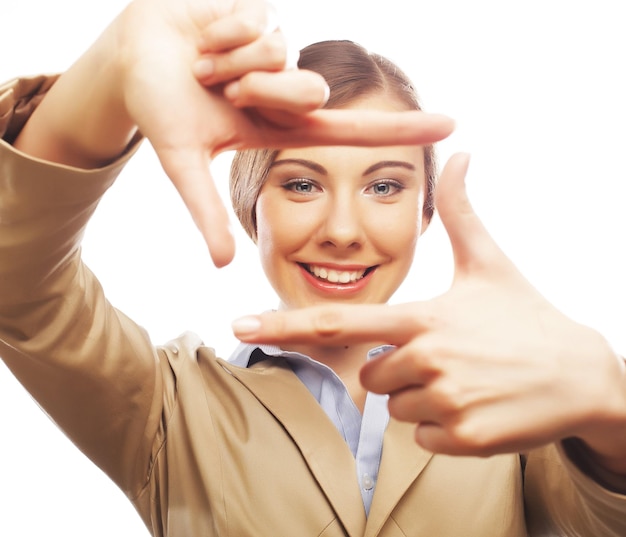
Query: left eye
[302, 187]
[385, 188]
[382, 188]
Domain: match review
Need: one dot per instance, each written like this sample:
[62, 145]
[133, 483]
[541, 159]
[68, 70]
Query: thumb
[472, 245]
[189, 172]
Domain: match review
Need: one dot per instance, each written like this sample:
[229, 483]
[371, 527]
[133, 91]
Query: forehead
[351, 160]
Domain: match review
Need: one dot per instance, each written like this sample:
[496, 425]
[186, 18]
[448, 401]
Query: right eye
[301, 186]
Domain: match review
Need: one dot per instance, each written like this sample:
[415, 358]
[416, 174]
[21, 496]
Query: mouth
[336, 276]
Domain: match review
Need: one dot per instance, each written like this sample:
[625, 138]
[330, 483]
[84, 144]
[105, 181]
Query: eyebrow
[302, 162]
[389, 164]
[320, 169]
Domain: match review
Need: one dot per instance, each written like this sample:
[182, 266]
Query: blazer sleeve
[91, 369]
[566, 496]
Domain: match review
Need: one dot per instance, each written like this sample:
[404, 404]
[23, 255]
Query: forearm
[84, 362]
[83, 121]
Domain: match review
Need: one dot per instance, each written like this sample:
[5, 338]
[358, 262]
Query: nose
[342, 226]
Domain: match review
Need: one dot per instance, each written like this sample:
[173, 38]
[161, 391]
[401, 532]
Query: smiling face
[341, 223]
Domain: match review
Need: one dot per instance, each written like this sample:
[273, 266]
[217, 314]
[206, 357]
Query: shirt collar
[244, 355]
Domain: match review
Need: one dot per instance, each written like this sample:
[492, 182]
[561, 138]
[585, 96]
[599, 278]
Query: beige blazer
[203, 448]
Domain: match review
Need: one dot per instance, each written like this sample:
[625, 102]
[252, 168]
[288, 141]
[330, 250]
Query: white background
[539, 94]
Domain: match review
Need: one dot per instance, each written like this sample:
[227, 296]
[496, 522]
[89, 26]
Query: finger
[266, 53]
[434, 438]
[399, 370]
[472, 245]
[249, 20]
[330, 324]
[410, 405]
[368, 128]
[481, 436]
[190, 174]
[294, 92]
[459, 441]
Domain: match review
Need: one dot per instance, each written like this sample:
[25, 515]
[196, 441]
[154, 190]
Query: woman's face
[341, 223]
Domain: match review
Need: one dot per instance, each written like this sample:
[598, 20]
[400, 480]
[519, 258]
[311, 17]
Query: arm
[58, 334]
[91, 368]
[564, 496]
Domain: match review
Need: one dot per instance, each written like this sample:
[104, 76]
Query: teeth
[336, 276]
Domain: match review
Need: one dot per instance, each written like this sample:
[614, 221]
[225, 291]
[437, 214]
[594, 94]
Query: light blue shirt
[363, 434]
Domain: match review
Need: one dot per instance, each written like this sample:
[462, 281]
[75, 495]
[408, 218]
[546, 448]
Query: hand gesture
[488, 367]
[206, 76]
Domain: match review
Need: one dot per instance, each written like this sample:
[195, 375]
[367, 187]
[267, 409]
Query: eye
[385, 188]
[301, 186]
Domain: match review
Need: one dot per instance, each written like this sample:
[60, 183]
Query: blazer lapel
[402, 461]
[327, 454]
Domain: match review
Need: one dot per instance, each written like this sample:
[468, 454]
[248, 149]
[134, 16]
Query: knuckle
[449, 397]
[401, 408]
[415, 366]
[426, 357]
[249, 28]
[410, 321]
[274, 324]
[327, 321]
[247, 87]
[252, 88]
[280, 327]
[472, 438]
[435, 318]
[224, 66]
[317, 90]
[274, 50]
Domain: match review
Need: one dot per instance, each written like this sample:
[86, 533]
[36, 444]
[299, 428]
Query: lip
[339, 267]
[338, 289]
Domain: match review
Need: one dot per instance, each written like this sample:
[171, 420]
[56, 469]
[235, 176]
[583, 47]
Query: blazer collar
[401, 463]
[328, 456]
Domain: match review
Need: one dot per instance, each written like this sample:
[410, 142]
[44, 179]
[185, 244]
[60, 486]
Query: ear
[427, 215]
[426, 220]
[428, 205]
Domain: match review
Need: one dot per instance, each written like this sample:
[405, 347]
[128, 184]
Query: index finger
[333, 324]
[367, 128]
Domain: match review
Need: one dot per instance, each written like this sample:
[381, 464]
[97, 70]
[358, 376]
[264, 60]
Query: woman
[206, 447]
[474, 369]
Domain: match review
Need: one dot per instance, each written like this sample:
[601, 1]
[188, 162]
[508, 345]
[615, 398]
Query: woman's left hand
[488, 367]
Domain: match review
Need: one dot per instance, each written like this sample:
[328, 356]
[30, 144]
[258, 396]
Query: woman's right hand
[149, 71]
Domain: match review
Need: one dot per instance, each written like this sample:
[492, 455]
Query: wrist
[83, 121]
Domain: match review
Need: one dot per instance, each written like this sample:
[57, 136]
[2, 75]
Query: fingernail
[246, 326]
[381, 351]
[204, 68]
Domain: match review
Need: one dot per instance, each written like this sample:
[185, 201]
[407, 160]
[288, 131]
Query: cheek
[396, 231]
[269, 242]
[282, 228]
